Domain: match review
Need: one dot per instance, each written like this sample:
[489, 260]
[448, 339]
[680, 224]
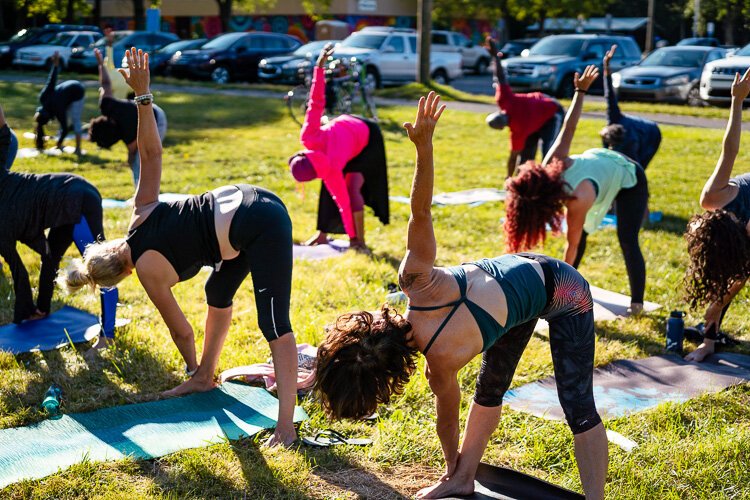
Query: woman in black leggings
[582, 187]
[237, 230]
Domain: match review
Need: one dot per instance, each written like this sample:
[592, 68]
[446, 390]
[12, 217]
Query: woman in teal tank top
[580, 188]
[487, 307]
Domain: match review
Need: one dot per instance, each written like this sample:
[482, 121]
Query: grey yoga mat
[144, 430]
[628, 386]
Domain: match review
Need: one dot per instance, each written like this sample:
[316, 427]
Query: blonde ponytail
[102, 265]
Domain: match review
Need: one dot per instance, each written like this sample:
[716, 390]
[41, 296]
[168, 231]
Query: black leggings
[262, 232]
[570, 314]
[58, 241]
[630, 207]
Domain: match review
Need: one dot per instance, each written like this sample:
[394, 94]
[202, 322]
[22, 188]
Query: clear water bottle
[675, 331]
[53, 400]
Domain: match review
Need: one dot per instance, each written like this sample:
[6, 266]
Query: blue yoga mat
[49, 333]
[144, 430]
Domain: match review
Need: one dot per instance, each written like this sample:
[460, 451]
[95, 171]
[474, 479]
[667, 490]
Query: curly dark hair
[104, 132]
[536, 197]
[719, 250]
[363, 362]
[613, 135]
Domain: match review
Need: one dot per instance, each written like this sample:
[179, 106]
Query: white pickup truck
[390, 55]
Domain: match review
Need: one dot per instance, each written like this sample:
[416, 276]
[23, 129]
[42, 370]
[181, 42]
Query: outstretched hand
[428, 113]
[492, 46]
[56, 58]
[608, 57]
[99, 57]
[325, 54]
[136, 74]
[741, 85]
[583, 82]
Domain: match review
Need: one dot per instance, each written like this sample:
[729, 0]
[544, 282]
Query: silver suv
[390, 56]
[473, 57]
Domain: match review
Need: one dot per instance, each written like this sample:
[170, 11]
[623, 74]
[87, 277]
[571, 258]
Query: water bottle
[675, 331]
[53, 400]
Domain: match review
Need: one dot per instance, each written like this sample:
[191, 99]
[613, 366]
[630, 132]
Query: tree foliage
[226, 7]
[54, 10]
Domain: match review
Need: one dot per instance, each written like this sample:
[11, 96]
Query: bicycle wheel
[296, 102]
[343, 104]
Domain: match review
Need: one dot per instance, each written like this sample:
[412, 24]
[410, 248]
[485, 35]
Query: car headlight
[616, 79]
[4, 49]
[546, 70]
[677, 80]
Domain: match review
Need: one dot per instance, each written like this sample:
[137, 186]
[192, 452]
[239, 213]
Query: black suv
[36, 36]
[231, 56]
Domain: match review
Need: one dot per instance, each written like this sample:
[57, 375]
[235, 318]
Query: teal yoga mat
[144, 430]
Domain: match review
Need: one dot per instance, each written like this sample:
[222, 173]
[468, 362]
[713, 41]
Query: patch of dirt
[397, 482]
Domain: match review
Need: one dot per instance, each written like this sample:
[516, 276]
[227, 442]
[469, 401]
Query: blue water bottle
[53, 400]
[675, 331]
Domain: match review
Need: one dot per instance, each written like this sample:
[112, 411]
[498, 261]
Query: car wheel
[440, 77]
[220, 75]
[372, 78]
[481, 67]
[694, 97]
[566, 88]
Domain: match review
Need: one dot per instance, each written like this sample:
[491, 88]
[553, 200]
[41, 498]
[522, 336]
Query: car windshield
[677, 58]
[24, 35]
[744, 51]
[695, 41]
[361, 41]
[61, 40]
[175, 46]
[557, 46]
[103, 40]
[311, 47]
[223, 42]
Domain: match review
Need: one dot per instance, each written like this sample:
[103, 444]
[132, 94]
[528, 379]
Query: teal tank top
[610, 171]
[524, 290]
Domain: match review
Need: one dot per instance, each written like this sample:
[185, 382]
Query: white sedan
[64, 43]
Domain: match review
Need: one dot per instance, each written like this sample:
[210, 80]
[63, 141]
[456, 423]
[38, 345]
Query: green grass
[695, 450]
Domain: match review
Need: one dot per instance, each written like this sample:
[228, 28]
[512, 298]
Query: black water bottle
[675, 331]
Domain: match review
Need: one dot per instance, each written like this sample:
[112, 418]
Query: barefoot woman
[237, 230]
[489, 306]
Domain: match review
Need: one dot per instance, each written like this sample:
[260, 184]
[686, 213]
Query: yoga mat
[472, 197]
[610, 220]
[334, 248]
[49, 333]
[32, 135]
[628, 386]
[502, 483]
[110, 203]
[145, 430]
[33, 152]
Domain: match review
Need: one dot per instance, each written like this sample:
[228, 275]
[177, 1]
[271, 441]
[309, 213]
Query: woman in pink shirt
[348, 155]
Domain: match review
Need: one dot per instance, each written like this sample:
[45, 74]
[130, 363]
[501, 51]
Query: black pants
[570, 314]
[262, 232]
[630, 208]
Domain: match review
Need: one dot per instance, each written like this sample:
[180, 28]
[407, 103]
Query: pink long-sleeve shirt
[331, 146]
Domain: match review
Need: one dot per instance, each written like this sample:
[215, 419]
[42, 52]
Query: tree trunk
[70, 12]
[225, 13]
[97, 14]
[424, 39]
[139, 14]
[728, 25]
[542, 19]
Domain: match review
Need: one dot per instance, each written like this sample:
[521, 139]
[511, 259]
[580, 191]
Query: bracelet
[144, 99]
[581, 91]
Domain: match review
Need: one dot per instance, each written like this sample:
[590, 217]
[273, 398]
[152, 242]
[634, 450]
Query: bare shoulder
[428, 287]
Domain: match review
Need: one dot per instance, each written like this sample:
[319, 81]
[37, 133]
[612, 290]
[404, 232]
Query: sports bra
[525, 294]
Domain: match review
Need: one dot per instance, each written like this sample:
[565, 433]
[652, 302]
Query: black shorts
[262, 232]
[570, 314]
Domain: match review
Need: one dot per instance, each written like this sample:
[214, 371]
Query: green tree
[53, 10]
[226, 6]
[731, 14]
[540, 10]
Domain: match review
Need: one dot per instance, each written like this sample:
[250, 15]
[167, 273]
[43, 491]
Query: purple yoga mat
[334, 248]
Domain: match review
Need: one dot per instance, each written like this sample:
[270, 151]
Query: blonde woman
[237, 230]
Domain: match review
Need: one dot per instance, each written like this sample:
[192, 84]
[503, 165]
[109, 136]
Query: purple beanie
[302, 168]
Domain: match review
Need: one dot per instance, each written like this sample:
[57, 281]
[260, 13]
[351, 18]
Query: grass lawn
[695, 450]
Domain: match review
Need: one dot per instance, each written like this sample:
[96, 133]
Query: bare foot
[37, 315]
[318, 239]
[102, 342]
[190, 386]
[700, 353]
[448, 487]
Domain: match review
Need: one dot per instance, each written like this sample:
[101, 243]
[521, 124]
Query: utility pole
[696, 16]
[650, 28]
[424, 39]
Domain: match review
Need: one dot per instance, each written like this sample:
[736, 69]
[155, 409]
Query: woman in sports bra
[234, 229]
[719, 239]
[581, 187]
[491, 307]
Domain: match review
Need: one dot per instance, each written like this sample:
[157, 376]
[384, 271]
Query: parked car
[148, 41]
[159, 60]
[40, 56]
[285, 69]
[553, 60]
[391, 55]
[700, 41]
[36, 36]
[231, 56]
[473, 57]
[717, 77]
[669, 74]
[515, 48]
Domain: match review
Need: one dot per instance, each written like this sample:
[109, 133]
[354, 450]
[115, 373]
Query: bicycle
[347, 91]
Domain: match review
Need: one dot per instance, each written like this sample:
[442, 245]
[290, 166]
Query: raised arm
[613, 109]
[561, 148]
[717, 191]
[421, 247]
[105, 85]
[49, 86]
[311, 135]
[149, 142]
[498, 78]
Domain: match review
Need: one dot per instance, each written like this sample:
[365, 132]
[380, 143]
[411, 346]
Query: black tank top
[183, 232]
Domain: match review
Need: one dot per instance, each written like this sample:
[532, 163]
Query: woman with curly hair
[580, 188]
[719, 239]
[488, 306]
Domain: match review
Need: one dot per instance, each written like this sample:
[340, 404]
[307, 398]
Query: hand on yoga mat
[428, 113]
[136, 74]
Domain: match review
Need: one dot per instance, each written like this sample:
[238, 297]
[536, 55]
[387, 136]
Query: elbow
[150, 152]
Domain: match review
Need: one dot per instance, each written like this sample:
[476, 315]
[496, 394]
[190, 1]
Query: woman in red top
[348, 155]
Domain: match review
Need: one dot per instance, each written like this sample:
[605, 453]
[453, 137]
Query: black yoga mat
[493, 482]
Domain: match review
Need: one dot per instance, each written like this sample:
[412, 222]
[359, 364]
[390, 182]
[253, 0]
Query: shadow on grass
[669, 223]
